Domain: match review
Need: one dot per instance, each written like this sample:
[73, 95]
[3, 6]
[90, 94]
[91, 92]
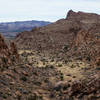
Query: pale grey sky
[48, 10]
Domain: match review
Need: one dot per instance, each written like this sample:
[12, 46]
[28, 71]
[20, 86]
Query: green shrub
[61, 76]
[32, 97]
[23, 78]
[59, 65]
[5, 60]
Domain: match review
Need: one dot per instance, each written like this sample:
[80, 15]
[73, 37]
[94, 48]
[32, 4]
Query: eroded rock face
[13, 49]
[87, 45]
[7, 53]
[3, 47]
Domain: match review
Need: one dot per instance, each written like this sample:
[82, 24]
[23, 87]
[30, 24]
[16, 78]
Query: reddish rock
[7, 53]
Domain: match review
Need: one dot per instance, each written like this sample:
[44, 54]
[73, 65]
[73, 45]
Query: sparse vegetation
[58, 62]
[61, 77]
[23, 78]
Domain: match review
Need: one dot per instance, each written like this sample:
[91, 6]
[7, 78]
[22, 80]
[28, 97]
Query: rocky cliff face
[87, 44]
[7, 53]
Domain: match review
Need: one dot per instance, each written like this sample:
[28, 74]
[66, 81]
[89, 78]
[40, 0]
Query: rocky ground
[38, 77]
[65, 68]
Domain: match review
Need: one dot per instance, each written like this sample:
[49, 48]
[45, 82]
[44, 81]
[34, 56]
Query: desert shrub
[88, 58]
[52, 60]
[61, 76]
[13, 58]
[23, 78]
[37, 83]
[43, 63]
[59, 65]
[19, 97]
[46, 80]
[4, 60]
[32, 97]
[66, 61]
[66, 47]
[98, 63]
[72, 66]
[97, 68]
[4, 96]
[15, 70]
[50, 66]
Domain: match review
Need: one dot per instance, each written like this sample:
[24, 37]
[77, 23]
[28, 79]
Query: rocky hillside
[52, 36]
[11, 29]
[60, 61]
[26, 81]
[63, 32]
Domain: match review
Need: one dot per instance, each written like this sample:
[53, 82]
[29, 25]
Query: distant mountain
[11, 29]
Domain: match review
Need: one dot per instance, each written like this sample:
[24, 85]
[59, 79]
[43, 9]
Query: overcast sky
[48, 10]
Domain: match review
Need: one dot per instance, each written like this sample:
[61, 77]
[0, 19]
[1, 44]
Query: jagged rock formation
[87, 44]
[3, 47]
[13, 49]
[7, 53]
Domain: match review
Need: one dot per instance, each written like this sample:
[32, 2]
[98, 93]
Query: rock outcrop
[13, 49]
[7, 53]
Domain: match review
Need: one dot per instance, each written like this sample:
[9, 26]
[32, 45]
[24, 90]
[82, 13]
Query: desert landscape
[59, 61]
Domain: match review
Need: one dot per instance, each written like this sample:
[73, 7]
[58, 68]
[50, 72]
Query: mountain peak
[70, 13]
[83, 16]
